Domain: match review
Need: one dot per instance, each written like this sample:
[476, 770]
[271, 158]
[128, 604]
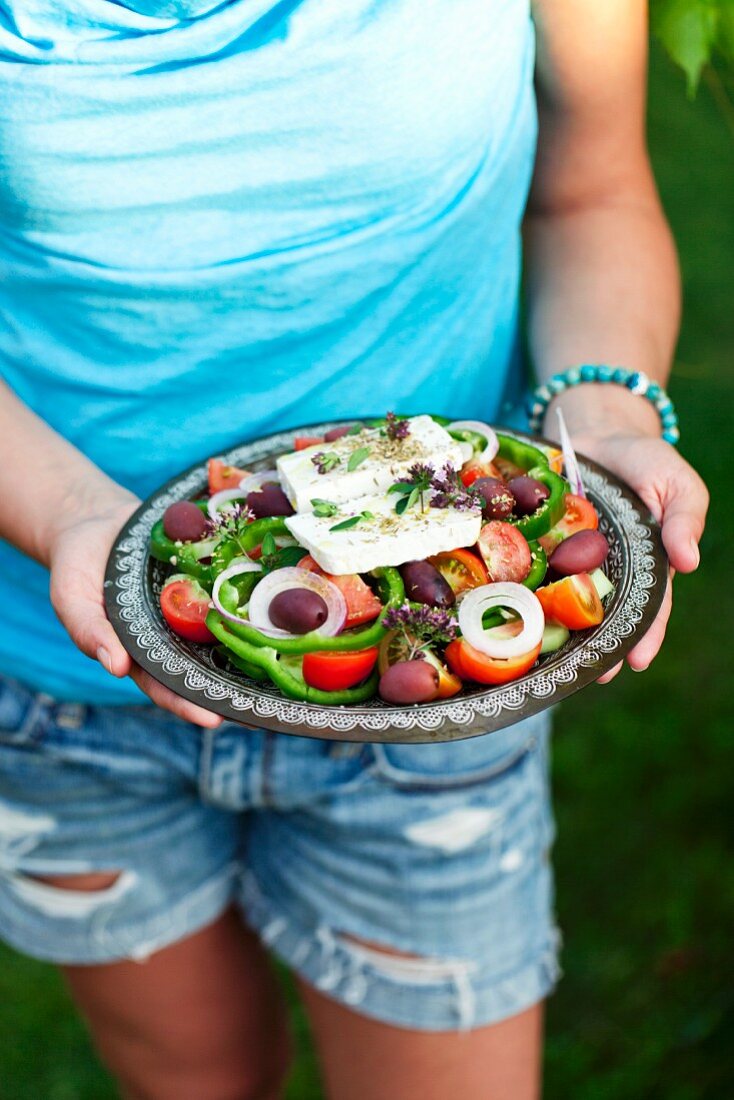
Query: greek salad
[404, 557]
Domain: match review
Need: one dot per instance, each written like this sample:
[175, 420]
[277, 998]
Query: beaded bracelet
[636, 382]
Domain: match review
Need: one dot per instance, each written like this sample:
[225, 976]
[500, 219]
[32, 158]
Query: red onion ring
[478, 426]
[281, 580]
[222, 497]
[518, 598]
[253, 483]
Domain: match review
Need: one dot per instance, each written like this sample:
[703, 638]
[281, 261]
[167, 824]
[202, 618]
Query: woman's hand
[677, 498]
[78, 548]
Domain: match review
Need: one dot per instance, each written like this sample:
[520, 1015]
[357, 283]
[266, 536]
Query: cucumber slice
[554, 636]
[602, 584]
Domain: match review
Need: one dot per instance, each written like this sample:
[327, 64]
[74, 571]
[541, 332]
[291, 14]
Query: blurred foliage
[695, 32]
[642, 769]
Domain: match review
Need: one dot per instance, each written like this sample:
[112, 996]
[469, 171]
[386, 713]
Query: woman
[223, 220]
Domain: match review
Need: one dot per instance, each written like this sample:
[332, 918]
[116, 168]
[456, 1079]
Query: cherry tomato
[302, 441]
[185, 606]
[333, 671]
[573, 602]
[396, 647]
[474, 469]
[362, 604]
[580, 515]
[505, 551]
[470, 664]
[462, 569]
[222, 476]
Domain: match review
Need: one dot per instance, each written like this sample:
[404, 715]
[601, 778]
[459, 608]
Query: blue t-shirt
[221, 219]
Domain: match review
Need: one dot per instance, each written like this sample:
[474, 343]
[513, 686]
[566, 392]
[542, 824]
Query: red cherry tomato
[334, 671]
[302, 441]
[580, 515]
[574, 602]
[474, 469]
[462, 569]
[505, 551]
[185, 606]
[470, 664]
[362, 604]
[222, 476]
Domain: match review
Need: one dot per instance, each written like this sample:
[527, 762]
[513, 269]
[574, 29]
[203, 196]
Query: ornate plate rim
[174, 663]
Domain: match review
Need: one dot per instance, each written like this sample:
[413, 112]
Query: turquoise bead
[636, 381]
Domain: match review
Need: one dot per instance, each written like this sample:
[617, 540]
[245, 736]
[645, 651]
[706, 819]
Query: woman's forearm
[46, 484]
[603, 287]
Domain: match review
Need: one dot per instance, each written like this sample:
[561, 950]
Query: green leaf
[346, 523]
[725, 35]
[357, 458]
[688, 31]
[323, 508]
[401, 487]
[401, 505]
[290, 555]
[268, 545]
[413, 498]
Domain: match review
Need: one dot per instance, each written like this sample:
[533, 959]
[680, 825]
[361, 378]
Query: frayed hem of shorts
[424, 994]
[100, 942]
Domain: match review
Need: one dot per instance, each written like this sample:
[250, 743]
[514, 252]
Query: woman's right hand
[78, 547]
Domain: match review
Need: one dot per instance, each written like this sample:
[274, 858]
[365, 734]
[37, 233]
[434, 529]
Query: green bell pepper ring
[521, 454]
[392, 592]
[550, 511]
[539, 567]
[283, 673]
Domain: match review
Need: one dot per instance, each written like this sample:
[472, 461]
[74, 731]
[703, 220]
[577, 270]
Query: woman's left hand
[677, 498]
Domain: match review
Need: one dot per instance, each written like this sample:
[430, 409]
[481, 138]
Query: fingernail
[696, 552]
[643, 669]
[104, 658]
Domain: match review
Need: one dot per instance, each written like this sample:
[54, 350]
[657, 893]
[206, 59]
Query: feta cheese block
[384, 537]
[385, 462]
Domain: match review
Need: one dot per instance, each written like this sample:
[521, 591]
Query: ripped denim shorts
[331, 850]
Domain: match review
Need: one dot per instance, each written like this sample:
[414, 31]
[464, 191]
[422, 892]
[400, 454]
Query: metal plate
[637, 566]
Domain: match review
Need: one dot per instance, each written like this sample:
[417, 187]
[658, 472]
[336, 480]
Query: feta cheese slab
[384, 539]
[387, 461]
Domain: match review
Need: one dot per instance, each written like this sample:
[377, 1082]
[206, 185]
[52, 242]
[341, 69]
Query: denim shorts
[331, 850]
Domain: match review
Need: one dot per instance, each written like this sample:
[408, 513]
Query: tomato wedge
[333, 671]
[185, 606]
[580, 515]
[396, 646]
[362, 604]
[222, 476]
[505, 551]
[302, 441]
[462, 569]
[574, 602]
[470, 664]
[474, 469]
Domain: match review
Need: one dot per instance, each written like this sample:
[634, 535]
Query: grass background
[643, 801]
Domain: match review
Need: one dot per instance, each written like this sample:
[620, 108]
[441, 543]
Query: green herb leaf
[356, 429]
[357, 458]
[268, 545]
[324, 508]
[290, 555]
[401, 487]
[413, 498]
[352, 521]
[401, 505]
[346, 523]
[688, 31]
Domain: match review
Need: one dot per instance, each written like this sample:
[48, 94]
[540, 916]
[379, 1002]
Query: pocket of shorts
[23, 717]
[453, 765]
